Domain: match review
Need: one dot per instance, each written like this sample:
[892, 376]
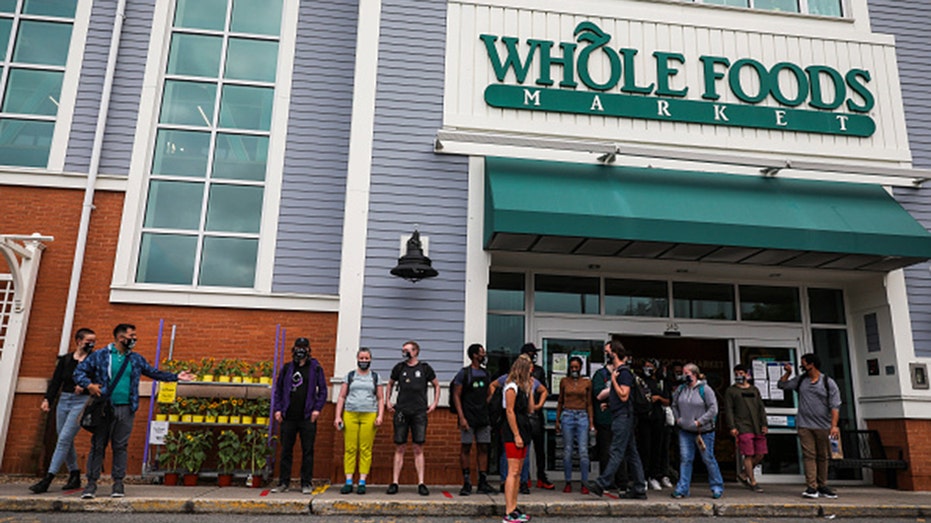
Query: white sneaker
[665, 482]
[655, 484]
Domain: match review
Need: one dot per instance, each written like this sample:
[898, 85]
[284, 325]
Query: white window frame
[67, 97]
[124, 287]
[802, 8]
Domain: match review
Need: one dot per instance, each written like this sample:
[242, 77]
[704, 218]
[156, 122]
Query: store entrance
[711, 355]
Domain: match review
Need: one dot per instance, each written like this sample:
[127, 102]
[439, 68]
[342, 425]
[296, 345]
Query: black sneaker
[631, 494]
[90, 491]
[485, 488]
[392, 489]
[524, 489]
[361, 489]
[827, 492]
[347, 489]
[118, 490]
[595, 488]
[466, 489]
[810, 493]
[423, 490]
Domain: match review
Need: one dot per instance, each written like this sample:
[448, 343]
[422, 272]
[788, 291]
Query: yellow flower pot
[247, 379]
[161, 417]
[206, 377]
[261, 421]
[187, 418]
[265, 380]
[224, 379]
[247, 420]
[223, 419]
[174, 418]
[211, 419]
[237, 379]
[235, 420]
[198, 418]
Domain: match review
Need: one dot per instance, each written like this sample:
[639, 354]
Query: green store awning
[544, 206]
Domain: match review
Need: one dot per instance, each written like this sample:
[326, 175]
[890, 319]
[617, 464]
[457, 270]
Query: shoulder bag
[98, 410]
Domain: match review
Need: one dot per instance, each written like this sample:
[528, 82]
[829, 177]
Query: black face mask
[574, 373]
[740, 380]
[88, 347]
[802, 369]
[300, 354]
[129, 343]
[405, 355]
[364, 365]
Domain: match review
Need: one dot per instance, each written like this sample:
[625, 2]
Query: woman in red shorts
[516, 432]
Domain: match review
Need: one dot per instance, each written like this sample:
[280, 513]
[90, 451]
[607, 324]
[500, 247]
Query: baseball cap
[302, 342]
[529, 348]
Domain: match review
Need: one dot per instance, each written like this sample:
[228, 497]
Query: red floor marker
[447, 494]
[264, 492]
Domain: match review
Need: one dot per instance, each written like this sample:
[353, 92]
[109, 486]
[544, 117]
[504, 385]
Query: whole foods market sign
[821, 99]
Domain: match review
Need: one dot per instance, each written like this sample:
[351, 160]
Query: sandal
[744, 479]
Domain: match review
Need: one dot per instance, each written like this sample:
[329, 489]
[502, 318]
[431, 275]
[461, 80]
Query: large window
[814, 7]
[207, 176]
[35, 36]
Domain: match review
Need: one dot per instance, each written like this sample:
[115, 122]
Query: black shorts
[415, 423]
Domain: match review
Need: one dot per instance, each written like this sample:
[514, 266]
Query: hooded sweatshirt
[688, 406]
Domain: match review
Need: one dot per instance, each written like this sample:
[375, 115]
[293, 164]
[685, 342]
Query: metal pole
[152, 398]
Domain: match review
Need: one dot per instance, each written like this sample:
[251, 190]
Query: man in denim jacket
[94, 374]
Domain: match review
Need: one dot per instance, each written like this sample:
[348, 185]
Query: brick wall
[914, 438]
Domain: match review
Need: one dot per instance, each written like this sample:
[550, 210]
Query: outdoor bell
[414, 266]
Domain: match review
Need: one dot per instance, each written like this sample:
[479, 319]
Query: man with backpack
[818, 416]
[652, 436]
[468, 393]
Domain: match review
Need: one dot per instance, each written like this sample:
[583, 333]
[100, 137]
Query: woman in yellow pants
[359, 411]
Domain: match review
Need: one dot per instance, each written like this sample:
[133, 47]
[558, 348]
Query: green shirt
[120, 393]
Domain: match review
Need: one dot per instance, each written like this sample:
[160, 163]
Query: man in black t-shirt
[410, 411]
[469, 394]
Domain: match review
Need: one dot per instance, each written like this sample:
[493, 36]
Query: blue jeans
[687, 448]
[524, 470]
[67, 420]
[623, 449]
[574, 424]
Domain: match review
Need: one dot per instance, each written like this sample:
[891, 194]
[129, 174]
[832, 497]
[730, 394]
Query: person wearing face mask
[412, 377]
[818, 416]
[71, 402]
[745, 416]
[469, 392]
[359, 411]
[300, 395]
[536, 420]
[114, 372]
[601, 388]
[652, 436]
[575, 418]
[696, 410]
[623, 442]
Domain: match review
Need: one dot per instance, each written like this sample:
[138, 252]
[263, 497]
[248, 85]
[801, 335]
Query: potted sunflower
[229, 454]
[257, 449]
[205, 369]
[194, 449]
[174, 440]
[223, 412]
[263, 369]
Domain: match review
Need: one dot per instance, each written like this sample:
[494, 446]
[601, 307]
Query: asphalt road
[73, 517]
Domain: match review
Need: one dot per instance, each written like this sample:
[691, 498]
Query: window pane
[636, 298]
[60, 8]
[188, 103]
[777, 5]
[25, 143]
[251, 60]
[759, 303]
[827, 306]
[201, 14]
[240, 157]
[703, 301]
[174, 205]
[7, 6]
[30, 91]
[195, 55]
[234, 208]
[505, 335]
[166, 258]
[42, 43]
[228, 262]
[506, 291]
[6, 25]
[246, 107]
[825, 7]
[256, 16]
[735, 3]
[570, 294]
[182, 153]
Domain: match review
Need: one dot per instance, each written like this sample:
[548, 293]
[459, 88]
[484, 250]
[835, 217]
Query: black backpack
[467, 383]
[496, 409]
[639, 401]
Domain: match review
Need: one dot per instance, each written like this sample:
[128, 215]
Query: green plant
[212, 407]
[174, 441]
[170, 408]
[224, 367]
[206, 366]
[174, 366]
[239, 368]
[262, 368]
[257, 449]
[262, 408]
[229, 451]
[194, 449]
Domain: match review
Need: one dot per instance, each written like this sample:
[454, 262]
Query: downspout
[81, 245]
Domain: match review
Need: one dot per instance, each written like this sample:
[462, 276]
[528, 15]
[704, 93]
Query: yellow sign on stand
[167, 391]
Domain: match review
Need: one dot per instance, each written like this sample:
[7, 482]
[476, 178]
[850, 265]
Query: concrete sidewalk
[776, 501]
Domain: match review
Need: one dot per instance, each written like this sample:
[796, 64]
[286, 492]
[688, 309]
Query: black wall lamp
[414, 266]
